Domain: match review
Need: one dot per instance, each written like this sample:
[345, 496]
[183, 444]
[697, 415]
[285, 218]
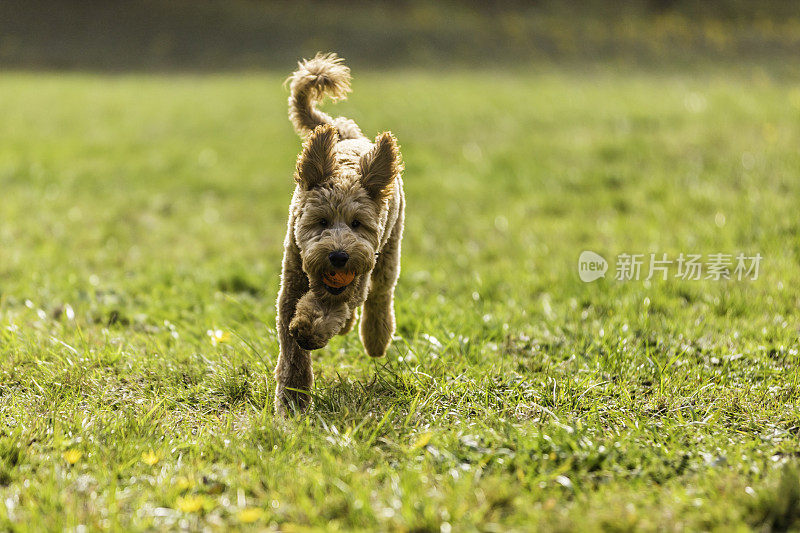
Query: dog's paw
[303, 332]
[310, 343]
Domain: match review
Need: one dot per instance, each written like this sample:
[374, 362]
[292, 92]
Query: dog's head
[342, 209]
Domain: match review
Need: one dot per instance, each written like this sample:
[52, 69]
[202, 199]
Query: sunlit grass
[142, 225]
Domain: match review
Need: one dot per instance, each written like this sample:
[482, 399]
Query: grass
[141, 230]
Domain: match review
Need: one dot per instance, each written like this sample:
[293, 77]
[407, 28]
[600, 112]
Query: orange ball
[338, 279]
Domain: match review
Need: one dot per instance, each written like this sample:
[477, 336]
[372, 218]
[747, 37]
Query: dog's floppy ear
[380, 166]
[317, 162]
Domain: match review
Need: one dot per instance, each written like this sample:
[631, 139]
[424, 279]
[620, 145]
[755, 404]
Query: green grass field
[140, 213]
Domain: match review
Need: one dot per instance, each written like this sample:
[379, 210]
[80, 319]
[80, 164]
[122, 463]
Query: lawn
[141, 229]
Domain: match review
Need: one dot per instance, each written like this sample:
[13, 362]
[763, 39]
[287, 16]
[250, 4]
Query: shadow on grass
[374, 395]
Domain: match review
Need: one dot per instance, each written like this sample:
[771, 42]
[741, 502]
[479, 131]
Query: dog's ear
[317, 162]
[380, 166]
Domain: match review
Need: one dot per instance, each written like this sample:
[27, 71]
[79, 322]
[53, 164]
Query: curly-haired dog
[342, 246]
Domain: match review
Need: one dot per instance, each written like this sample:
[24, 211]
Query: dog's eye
[354, 224]
[323, 222]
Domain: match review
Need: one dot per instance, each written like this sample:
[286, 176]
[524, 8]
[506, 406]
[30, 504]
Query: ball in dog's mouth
[337, 282]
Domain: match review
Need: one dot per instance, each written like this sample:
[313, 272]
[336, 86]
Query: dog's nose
[338, 258]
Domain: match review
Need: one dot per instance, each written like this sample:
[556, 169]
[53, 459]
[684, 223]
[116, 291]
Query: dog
[342, 245]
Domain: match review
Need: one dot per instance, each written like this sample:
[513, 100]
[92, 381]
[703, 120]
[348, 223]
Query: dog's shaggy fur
[346, 217]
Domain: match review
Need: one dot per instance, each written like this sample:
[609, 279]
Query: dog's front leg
[293, 372]
[315, 322]
[377, 318]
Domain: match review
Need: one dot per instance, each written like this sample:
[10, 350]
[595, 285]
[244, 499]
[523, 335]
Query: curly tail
[325, 75]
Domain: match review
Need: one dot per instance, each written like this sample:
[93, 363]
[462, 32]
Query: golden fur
[348, 200]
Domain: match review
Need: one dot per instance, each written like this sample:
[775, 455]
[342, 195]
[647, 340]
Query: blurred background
[152, 35]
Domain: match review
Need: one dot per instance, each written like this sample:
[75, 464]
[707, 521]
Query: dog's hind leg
[377, 318]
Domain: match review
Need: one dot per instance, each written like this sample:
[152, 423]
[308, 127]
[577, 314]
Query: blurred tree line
[253, 34]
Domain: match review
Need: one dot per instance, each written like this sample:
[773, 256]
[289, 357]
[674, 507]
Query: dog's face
[337, 232]
[342, 210]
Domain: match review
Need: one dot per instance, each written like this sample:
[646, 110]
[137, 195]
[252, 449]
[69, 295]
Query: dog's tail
[325, 75]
